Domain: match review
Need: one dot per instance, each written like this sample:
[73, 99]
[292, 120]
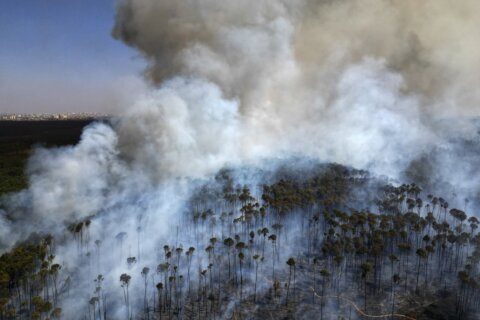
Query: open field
[17, 140]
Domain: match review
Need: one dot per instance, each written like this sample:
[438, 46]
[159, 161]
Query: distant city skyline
[58, 56]
[52, 116]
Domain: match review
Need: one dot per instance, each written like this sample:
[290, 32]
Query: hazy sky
[59, 56]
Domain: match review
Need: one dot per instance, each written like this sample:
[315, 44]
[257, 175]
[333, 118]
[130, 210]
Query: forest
[262, 160]
[324, 242]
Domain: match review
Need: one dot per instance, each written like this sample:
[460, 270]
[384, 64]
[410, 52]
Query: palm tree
[202, 293]
[421, 253]
[241, 256]
[256, 258]
[159, 289]
[405, 250]
[131, 261]
[291, 265]
[229, 242]
[395, 280]
[393, 258]
[93, 302]
[54, 269]
[324, 274]
[264, 232]
[315, 260]
[145, 272]
[189, 255]
[139, 230]
[163, 268]
[179, 252]
[125, 283]
[101, 297]
[365, 268]
[273, 238]
[278, 227]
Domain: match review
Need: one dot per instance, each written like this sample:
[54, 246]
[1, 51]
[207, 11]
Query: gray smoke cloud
[341, 81]
[368, 84]
[253, 48]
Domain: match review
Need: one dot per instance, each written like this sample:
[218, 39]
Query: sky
[59, 56]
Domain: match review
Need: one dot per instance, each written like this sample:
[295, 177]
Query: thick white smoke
[361, 83]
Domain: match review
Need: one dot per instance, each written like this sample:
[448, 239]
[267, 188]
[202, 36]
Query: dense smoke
[252, 49]
[372, 84]
[369, 84]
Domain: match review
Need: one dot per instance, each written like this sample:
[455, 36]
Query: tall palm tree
[159, 287]
[229, 242]
[366, 268]
[256, 258]
[189, 255]
[101, 297]
[241, 256]
[145, 272]
[93, 302]
[325, 275]
[273, 238]
[54, 270]
[264, 232]
[395, 280]
[291, 265]
[125, 283]
[163, 268]
[131, 261]
[421, 253]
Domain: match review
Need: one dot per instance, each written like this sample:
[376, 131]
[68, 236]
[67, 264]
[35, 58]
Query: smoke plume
[339, 81]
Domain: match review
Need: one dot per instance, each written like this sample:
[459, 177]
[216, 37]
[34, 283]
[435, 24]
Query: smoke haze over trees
[144, 204]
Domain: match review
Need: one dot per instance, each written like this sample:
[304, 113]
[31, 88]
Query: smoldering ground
[375, 85]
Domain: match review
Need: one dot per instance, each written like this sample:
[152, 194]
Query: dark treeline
[328, 243]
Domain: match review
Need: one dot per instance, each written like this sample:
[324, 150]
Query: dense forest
[324, 242]
[264, 160]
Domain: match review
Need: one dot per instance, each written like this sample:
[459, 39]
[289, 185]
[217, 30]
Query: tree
[229, 242]
[159, 287]
[264, 232]
[291, 265]
[101, 296]
[145, 272]
[366, 268]
[189, 255]
[325, 275]
[241, 256]
[94, 302]
[125, 283]
[273, 238]
[421, 253]
[163, 268]
[256, 258]
[54, 269]
[130, 262]
[393, 258]
[315, 261]
[395, 280]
